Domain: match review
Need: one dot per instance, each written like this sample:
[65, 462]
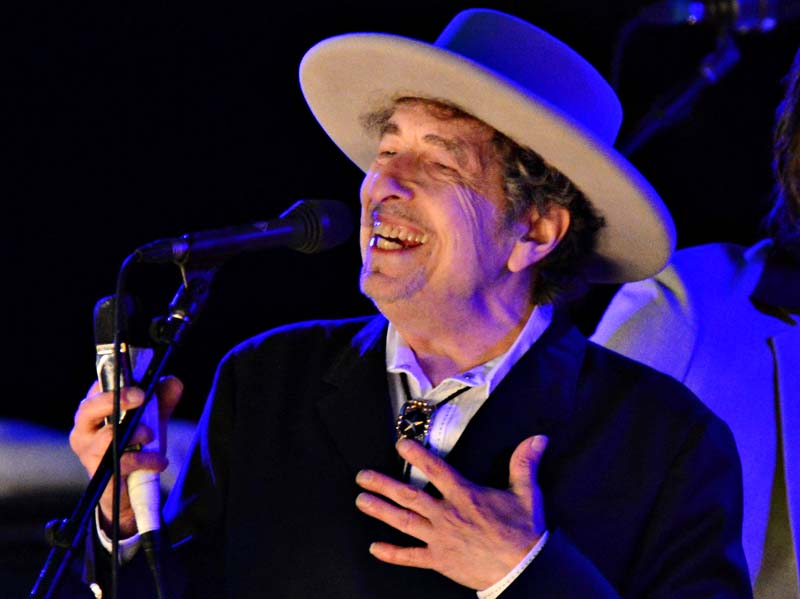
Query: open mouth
[395, 237]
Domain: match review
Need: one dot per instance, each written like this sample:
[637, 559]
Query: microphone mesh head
[327, 223]
[133, 321]
[104, 319]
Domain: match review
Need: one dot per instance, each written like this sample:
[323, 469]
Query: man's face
[432, 228]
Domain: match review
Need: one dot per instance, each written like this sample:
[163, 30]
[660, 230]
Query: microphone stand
[712, 68]
[66, 536]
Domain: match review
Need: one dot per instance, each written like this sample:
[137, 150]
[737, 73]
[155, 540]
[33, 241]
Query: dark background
[122, 125]
[126, 124]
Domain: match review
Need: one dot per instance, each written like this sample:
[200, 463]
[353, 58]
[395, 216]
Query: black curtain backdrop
[122, 125]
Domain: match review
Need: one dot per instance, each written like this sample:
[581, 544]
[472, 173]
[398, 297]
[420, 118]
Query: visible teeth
[385, 244]
[398, 232]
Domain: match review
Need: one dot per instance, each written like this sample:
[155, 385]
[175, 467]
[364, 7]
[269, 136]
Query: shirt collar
[401, 358]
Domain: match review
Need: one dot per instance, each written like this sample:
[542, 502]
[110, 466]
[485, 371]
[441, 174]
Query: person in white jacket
[723, 319]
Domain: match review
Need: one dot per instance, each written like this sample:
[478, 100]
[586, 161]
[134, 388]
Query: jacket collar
[537, 396]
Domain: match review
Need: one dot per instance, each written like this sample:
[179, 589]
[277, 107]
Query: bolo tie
[414, 419]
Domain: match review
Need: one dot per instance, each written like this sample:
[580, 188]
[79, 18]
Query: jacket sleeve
[691, 546]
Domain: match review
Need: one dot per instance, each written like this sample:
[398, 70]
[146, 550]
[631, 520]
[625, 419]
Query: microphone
[743, 15]
[144, 486]
[308, 226]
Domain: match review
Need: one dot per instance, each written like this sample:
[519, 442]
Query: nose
[392, 179]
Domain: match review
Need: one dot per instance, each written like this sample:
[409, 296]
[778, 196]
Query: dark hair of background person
[782, 221]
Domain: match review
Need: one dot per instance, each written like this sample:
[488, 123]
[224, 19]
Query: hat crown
[537, 63]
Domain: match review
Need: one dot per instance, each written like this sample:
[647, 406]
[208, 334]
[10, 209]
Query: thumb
[169, 392]
[524, 466]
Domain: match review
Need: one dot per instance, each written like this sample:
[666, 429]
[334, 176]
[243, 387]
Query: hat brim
[348, 76]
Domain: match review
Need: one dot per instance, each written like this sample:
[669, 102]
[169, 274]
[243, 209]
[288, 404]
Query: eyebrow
[455, 147]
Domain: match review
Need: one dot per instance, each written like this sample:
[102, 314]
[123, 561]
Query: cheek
[478, 219]
[363, 191]
[363, 244]
[365, 221]
[365, 234]
[481, 244]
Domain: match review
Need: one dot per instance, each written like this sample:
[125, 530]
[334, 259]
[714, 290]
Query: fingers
[90, 436]
[524, 464]
[415, 505]
[94, 409]
[407, 518]
[169, 390]
[140, 437]
[523, 471]
[473, 535]
[93, 389]
[401, 556]
[142, 460]
[91, 447]
[440, 473]
[98, 406]
[404, 520]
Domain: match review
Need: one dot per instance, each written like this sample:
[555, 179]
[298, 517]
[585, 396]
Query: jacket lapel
[357, 411]
[537, 396]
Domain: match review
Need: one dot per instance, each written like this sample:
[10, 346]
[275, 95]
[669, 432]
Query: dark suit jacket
[642, 483]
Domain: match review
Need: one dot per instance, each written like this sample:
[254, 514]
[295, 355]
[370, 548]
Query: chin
[384, 291]
[376, 290]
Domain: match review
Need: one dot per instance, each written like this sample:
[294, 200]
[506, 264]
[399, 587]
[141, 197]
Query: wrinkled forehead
[378, 120]
[451, 128]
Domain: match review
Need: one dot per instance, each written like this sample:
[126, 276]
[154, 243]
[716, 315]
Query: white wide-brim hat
[523, 82]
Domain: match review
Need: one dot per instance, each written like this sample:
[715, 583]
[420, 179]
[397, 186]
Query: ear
[542, 233]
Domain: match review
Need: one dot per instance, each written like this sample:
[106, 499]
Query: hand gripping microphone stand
[308, 226]
[67, 535]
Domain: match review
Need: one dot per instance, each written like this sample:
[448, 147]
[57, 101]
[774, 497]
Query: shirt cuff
[127, 547]
[501, 585]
